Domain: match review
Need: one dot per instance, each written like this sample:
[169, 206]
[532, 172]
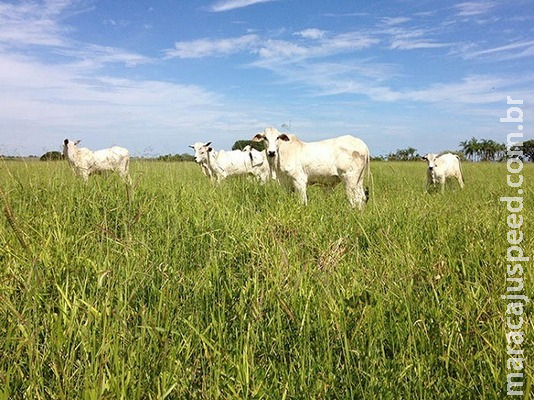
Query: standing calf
[85, 162]
[260, 164]
[344, 158]
[442, 167]
[203, 158]
[220, 165]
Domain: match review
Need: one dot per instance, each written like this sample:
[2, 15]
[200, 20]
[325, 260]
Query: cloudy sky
[156, 76]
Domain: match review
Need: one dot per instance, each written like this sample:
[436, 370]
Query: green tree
[409, 154]
[51, 156]
[471, 149]
[528, 149]
[241, 144]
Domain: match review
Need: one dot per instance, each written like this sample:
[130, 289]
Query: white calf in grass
[204, 159]
[220, 165]
[442, 167]
[329, 161]
[85, 162]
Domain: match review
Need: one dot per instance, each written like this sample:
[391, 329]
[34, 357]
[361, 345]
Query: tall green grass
[181, 289]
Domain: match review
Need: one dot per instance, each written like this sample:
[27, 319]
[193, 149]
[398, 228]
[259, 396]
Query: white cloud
[311, 33]
[276, 50]
[349, 41]
[227, 5]
[51, 102]
[212, 47]
[471, 8]
[407, 38]
[416, 44]
[95, 56]
[347, 15]
[390, 21]
[28, 25]
[273, 49]
[508, 51]
[284, 51]
[32, 24]
[475, 89]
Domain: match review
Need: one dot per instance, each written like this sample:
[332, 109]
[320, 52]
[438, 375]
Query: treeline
[56, 155]
[490, 150]
[176, 157]
[473, 150]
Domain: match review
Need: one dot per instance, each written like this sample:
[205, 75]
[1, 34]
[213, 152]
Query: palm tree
[471, 149]
[412, 153]
[491, 150]
[408, 154]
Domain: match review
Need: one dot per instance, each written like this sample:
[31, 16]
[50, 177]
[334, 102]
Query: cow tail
[369, 176]
[461, 170]
[367, 166]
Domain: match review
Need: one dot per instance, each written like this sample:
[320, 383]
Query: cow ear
[207, 144]
[283, 137]
[191, 146]
[258, 137]
[77, 141]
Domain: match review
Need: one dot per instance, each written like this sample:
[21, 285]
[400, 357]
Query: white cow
[220, 165]
[344, 158]
[204, 159]
[260, 164]
[85, 162]
[442, 167]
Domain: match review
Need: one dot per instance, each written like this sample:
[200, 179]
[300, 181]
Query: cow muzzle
[271, 153]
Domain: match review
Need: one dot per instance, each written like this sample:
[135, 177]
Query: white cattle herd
[286, 159]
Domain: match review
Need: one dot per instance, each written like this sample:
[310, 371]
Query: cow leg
[460, 180]
[442, 182]
[430, 183]
[299, 184]
[354, 190]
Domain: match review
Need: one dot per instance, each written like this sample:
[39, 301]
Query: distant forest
[474, 150]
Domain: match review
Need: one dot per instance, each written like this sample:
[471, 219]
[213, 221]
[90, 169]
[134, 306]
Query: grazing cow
[220, 165]
[442, 167]
[344, 158]
[85, 162]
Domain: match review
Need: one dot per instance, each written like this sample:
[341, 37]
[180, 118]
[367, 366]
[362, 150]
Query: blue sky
[156, 76]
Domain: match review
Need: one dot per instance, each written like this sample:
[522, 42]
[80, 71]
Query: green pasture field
[179, 288]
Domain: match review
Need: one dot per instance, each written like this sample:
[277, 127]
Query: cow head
[272, 138]
[202, 151]
[69, 145]
[431, 160]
